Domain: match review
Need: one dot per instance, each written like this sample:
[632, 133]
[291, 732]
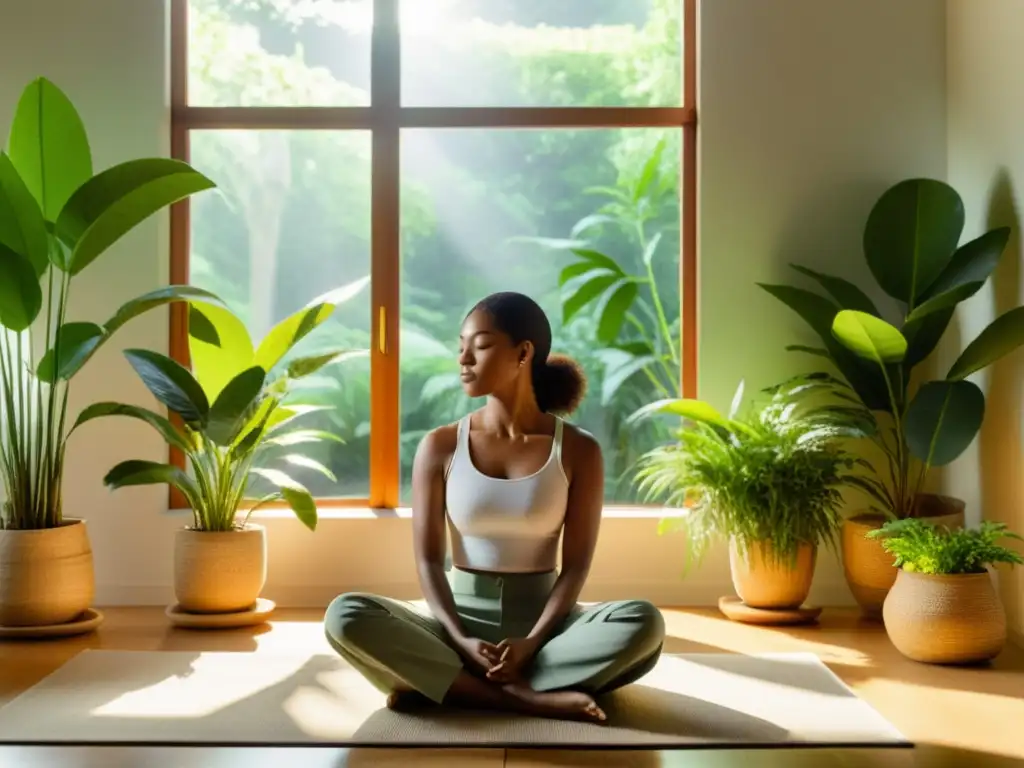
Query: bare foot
[406, 701]
[564, 705]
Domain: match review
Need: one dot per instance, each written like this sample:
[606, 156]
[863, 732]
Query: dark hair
[558, 381]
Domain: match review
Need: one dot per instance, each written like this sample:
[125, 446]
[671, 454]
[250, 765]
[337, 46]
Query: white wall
[803, 124]
[986, 165]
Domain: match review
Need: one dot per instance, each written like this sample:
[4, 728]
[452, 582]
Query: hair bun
[560, 385]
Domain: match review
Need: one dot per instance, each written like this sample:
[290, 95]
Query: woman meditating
[504, 630]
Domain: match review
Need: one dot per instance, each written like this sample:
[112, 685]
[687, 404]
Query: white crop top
[505, 525]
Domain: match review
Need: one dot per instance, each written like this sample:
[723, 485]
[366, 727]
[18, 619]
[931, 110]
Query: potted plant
[57, 217]
[233, 411]
[944, 608]
[912, 247]
[768, 478]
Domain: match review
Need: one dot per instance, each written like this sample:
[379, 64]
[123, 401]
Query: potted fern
[769, 478]
[57, 217]
[944, 608]
[233, 409]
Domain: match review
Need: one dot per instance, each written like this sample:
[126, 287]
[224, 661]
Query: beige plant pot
[46, 575]
[763, 580]
[945, 618]
[868, 568]
[219, 571]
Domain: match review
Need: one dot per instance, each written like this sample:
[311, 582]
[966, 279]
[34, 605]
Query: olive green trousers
[396, 646]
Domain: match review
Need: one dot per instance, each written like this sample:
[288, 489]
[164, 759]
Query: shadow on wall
[999, 443]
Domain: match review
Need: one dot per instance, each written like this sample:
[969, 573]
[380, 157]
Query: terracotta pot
[219, 571]
[764, 580]
[945, 618]
[46, 575]
[868, 568]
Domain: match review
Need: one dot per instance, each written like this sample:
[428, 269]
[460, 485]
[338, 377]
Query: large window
[440, 150]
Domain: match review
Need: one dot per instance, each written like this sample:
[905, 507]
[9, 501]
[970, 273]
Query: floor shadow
[791, 673]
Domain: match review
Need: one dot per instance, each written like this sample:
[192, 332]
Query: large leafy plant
[57, 217]
[912, 247]
[923, 547]
[769, 474]
[234, 410]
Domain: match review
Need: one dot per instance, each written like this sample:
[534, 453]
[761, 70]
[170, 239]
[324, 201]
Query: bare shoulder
[438, 446]
[581, 450]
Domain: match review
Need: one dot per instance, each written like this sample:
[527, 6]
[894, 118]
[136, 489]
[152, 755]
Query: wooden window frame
[385, 117]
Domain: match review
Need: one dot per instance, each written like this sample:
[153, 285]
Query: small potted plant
[944, 608]
[57, 217]
[768, 478]
[232, 414]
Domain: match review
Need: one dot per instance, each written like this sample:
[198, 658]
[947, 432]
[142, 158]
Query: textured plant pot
[762, 580]
[219, 571]
[868, 568]
[945, 618]
[46, 575]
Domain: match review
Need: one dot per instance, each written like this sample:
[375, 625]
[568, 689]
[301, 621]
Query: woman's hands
[481, 655]
[502, 663]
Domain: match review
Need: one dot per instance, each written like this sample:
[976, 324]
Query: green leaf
[869, 337]
[925, 334]
[599, 259]
[219, 346]
[620, 365]
[113, 202]
[76, 343]
[1002, 336]
[138, 472]
[942, 420]
[21, 296]
[162, 425]
[49, 146]
[910, 236]
[171, 384]
[613, 309]
[942, 301]
[585, 294]
[286, 334]
[22, 227]
[693, 410]
[298, 460]
[158, 298]
[973, 262]
[300, 436]
[578, 268]
[846, 294]
[737, 400]
[228, 412]
[295, 494]
[593, 220]
[304, 366]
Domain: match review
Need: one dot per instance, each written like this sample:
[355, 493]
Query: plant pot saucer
[736, 610]
[256, 614]
[87, 621]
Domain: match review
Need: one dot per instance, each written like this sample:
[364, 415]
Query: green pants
[395, 646]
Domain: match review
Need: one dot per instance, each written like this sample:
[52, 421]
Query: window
[440, 150]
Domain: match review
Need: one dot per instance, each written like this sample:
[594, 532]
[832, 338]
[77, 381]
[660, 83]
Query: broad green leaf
[298, 498]
[1002, 336]
[942, 301]
[924, 335]
[171, 384]
[599, 259]
[911, 235]
[298, 460]
[612, 310]
[300, 436]
[75, 344]
[159, 423]
[287, 333]
[585, 294]
[341, 294]
[219, 346]
[816, 351]
[49, 146]
[578, 268]
[227, 414]
[846, 294]
[158, 298]
[138, 472]
[693, 410]
[21, 296]
[114, 201]
[942, 420]
[305, 366]
[620, 365]
[973, 262]
[22, 227]
[587, 222]
[869, 337]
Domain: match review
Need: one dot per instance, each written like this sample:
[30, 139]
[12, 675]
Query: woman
[504, 630]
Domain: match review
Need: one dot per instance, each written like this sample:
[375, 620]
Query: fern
[923, 547]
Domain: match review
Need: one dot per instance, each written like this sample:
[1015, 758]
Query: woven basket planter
[219, 571]
[945, 618]
[765, 581]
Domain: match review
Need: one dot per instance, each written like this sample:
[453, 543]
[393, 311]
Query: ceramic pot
[945, 618]
[868, 568]
[764, 580]
[46, 575]
[219, 571]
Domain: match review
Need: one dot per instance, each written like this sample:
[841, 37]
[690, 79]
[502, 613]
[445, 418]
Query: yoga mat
[192, 698]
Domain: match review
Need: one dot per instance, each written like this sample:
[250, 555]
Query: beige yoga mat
[185, 698]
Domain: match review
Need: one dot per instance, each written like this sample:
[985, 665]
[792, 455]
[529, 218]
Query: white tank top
[509, 526]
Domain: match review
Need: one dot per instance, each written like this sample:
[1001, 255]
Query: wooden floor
[959, 718]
